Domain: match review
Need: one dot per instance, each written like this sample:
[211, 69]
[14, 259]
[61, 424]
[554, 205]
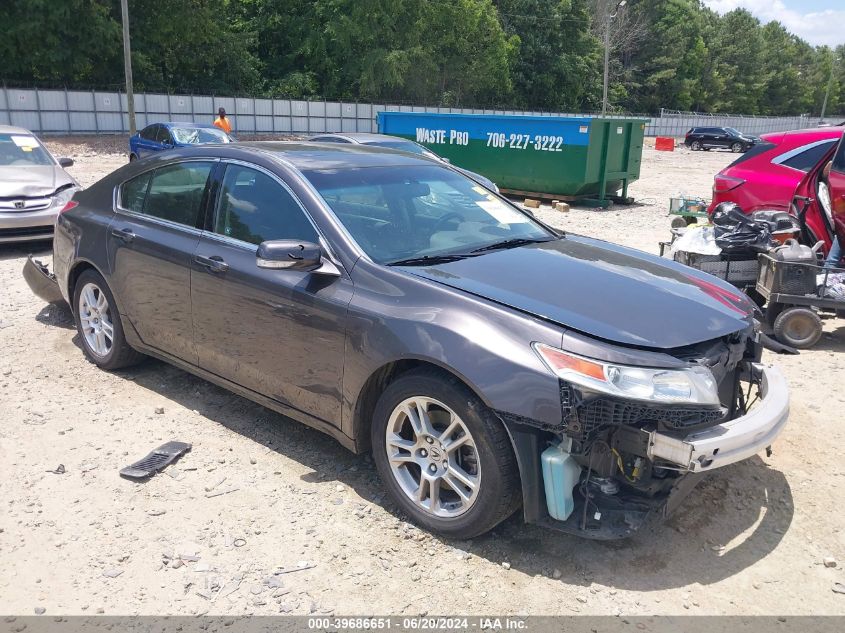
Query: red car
[765, 176]
[818, 224]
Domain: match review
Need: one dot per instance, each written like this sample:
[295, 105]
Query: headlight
[61, 198]
[694, 385]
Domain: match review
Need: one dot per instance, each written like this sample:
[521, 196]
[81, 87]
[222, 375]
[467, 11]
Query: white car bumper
[734, 440]
[20, 226]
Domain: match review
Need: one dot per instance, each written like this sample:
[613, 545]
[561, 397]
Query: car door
[836, 183]
[147, 143]
[164, 138]
[277, 332]
[151, 241]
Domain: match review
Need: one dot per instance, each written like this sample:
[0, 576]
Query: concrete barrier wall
[87, 112]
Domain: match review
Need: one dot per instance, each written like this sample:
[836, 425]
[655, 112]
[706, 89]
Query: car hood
[602, 290]
[32, 181]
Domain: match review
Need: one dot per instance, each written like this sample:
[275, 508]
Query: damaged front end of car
[639, 429]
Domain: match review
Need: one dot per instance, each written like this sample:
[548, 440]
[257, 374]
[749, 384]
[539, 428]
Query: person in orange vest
[222, 122]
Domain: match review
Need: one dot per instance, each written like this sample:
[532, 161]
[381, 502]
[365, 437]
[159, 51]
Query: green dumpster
[592, 160]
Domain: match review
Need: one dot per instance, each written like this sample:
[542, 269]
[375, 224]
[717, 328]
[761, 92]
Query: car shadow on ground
[732, 520]
[13, 250]
[728, 523]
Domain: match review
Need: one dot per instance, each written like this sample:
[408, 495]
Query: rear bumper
[21, 226]
[731, 441]
[41, 281]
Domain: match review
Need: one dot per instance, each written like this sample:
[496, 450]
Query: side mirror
[66, 162]
[289, 255]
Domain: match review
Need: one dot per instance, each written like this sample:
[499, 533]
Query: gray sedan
[34, 187]
[486, 360]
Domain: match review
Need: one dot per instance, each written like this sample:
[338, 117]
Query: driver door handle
[124, 235]
[214, 264]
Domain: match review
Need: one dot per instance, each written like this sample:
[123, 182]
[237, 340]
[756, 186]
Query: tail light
[72, 204]
[721, 183]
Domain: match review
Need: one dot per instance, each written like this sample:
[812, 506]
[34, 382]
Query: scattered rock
[506, 565]
[531, 203]
[556, 574]
[176, 563]
[339, 488]
[112, 572]
[159, 410]
[40, 610]
[157, 512]
[829, 561]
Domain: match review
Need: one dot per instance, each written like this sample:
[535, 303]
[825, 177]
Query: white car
[34, 187]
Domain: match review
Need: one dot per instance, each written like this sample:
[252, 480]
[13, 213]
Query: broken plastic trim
[41, 281]
[156, 461]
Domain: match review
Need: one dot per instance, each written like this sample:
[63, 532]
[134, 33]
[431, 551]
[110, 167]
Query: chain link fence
[103, 112]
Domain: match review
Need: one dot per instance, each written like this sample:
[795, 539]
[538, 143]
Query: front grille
[24, 205]
[28, 231]
[584, 415]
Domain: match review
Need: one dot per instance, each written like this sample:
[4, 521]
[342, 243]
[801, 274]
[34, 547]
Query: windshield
[399, 213]
[22, 150]
[404, 146]
[197, 135]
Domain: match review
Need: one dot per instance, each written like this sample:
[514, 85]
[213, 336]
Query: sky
[816, 21]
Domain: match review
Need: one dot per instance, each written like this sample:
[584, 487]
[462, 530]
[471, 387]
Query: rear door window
[839, 158]
[149, 133]
[254, 208]
[134, 192]
[176, 192]
[806, 157]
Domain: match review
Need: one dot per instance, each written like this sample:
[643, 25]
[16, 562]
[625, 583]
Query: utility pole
[127, 66]
[833, 60]
[608, 18]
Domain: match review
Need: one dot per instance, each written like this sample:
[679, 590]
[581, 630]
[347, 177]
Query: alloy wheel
[433, 457]
[95, 318]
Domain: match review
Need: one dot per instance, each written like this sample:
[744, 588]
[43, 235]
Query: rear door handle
[214, 264]
[124, 235]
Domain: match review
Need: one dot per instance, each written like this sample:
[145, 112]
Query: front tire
[445, 459]
[98, 324]
[133, 157]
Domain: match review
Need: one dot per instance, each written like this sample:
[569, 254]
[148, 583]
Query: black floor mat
[157, 460]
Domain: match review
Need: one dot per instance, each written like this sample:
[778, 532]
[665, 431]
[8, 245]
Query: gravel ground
[259, 493]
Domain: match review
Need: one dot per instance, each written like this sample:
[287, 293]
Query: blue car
[161, 136]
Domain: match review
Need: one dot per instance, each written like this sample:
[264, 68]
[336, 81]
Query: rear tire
[418, 421]
[695, 146]
[798, 327]
[98, 324]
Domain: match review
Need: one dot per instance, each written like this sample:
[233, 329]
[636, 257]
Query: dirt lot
[751, 540]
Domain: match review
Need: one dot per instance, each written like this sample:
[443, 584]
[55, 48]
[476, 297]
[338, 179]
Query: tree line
[525, 54]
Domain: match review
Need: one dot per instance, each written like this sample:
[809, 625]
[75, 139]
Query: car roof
[170, 124]
[807, 135]
[11, 129]
[363, 138]
[308, 155]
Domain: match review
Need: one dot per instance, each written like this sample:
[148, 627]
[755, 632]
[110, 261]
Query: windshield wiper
[517, 241]
[425, 260]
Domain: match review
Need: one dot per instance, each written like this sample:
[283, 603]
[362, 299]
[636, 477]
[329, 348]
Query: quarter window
[810, 157]
[254, 208]
[133, 192]
[176, 192]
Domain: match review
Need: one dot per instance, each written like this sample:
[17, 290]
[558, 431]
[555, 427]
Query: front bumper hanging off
[736, 439]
